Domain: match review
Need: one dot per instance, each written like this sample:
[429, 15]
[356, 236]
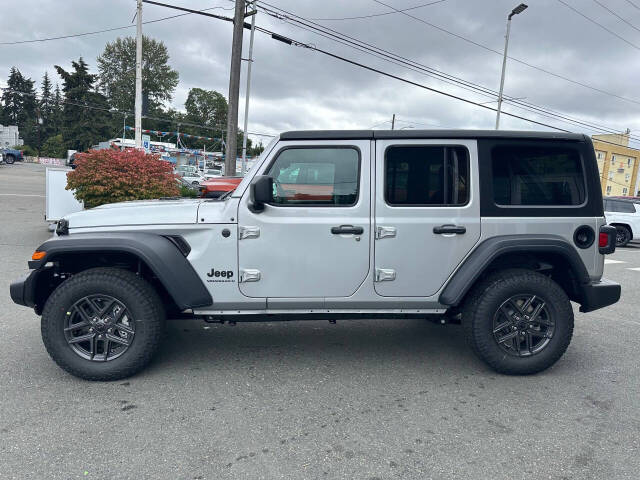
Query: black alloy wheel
[99, 328]
[523, 326]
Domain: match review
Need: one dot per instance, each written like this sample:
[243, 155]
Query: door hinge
[385, 274]
[383, 232]
[249, 275]
[248, 232]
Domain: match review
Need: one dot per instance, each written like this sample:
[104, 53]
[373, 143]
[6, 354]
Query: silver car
[499, 230]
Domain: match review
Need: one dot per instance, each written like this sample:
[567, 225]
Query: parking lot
[366, 400]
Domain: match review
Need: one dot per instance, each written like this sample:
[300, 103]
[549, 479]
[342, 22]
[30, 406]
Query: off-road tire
[139, 298]
[623, 236]
[485, 299]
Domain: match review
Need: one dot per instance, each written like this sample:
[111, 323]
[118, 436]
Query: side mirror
[261, 192]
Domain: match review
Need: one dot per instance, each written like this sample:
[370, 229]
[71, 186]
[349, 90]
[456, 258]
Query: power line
[596, 23]
[130, 113]
[37, 40]
[378, 14]
[633, 4]
[420, 68]
[517, 60]
[617, 16]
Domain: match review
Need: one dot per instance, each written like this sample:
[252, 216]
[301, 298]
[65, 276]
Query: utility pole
[248, 90]
[519, 9]
[393, 122]
[234, 89]
[138, 105]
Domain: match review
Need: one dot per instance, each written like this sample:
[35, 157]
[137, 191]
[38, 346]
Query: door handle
[459, 229]
[347, 229]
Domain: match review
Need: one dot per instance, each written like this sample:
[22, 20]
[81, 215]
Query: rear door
[427, 213]
[312, 240]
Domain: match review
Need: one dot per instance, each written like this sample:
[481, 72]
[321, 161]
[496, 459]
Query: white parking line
[19, 195]
[608, 261]
[635, 269]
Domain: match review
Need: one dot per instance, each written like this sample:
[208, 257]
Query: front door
[427, 213]
[311, 241]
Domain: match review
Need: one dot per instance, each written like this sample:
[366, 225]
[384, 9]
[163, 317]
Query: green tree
[85, 116]
[56, 113]
[19, 105]
[53, 147]
[46, 106]
[116, 67]
[208, 109]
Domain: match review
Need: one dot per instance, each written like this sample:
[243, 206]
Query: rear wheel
[103, 324]
[9, 159]
[623, 236]
[518, 321]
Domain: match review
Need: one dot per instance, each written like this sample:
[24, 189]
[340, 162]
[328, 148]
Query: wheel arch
[159, 259]
[549, 254]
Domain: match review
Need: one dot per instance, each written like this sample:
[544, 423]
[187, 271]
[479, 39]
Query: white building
[9, 136]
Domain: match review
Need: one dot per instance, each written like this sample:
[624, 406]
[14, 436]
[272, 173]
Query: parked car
[187, 184]
[180, 169]
[213, 173]
[624, 215]
[503, 229]
[193, 178]
[12, 155]
[216, 187]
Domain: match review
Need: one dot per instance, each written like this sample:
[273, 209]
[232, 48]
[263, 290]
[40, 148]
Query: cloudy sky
[297, 88]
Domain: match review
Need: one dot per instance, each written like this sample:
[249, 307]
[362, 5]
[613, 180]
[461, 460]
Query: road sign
[146, 143]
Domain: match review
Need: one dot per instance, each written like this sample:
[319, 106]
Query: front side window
[426, 175]
[316, 176]
[539, 176]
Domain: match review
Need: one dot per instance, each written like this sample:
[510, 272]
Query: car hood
[140, 212]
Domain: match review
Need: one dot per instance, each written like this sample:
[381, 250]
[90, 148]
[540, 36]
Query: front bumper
[22, 291]
[599, 294]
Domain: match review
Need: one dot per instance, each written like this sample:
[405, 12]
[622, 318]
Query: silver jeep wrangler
[501, 230]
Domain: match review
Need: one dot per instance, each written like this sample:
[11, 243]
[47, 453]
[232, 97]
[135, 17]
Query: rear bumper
[599, 294]
[22, 291]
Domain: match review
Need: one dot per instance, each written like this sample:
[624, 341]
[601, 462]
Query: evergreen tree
[85, 115]
[19, 105]
[46, 108]
[56, 113]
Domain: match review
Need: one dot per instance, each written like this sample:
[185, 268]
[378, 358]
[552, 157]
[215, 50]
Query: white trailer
[59, 201]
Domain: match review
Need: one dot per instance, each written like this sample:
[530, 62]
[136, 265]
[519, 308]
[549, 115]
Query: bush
[187, 192]
[108, 176]
[53, 147]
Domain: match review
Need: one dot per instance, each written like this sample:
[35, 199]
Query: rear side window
[426, 175]
[537, 176]
[316, 176]
[619, 207]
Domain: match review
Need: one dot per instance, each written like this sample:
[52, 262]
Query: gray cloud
[298, 88]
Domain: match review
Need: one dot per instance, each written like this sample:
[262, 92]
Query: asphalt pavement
[383, 399]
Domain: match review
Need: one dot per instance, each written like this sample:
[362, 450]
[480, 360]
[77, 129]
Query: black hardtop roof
[427, 134]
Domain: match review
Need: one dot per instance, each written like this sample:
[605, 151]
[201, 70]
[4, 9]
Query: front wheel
[9, 159]
[518, 321]
[103, 324]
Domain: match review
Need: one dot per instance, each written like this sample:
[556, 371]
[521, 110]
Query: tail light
[607, 239]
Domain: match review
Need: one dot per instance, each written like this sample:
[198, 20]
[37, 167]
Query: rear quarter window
[537, 176]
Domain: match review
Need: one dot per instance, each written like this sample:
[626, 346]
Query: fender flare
[485, 253]
[159, 253]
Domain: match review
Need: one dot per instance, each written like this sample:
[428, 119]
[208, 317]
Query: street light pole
[519, 9]
[138, 102]
[246, 101]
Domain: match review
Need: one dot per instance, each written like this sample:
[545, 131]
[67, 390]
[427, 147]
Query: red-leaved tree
[108, 176]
